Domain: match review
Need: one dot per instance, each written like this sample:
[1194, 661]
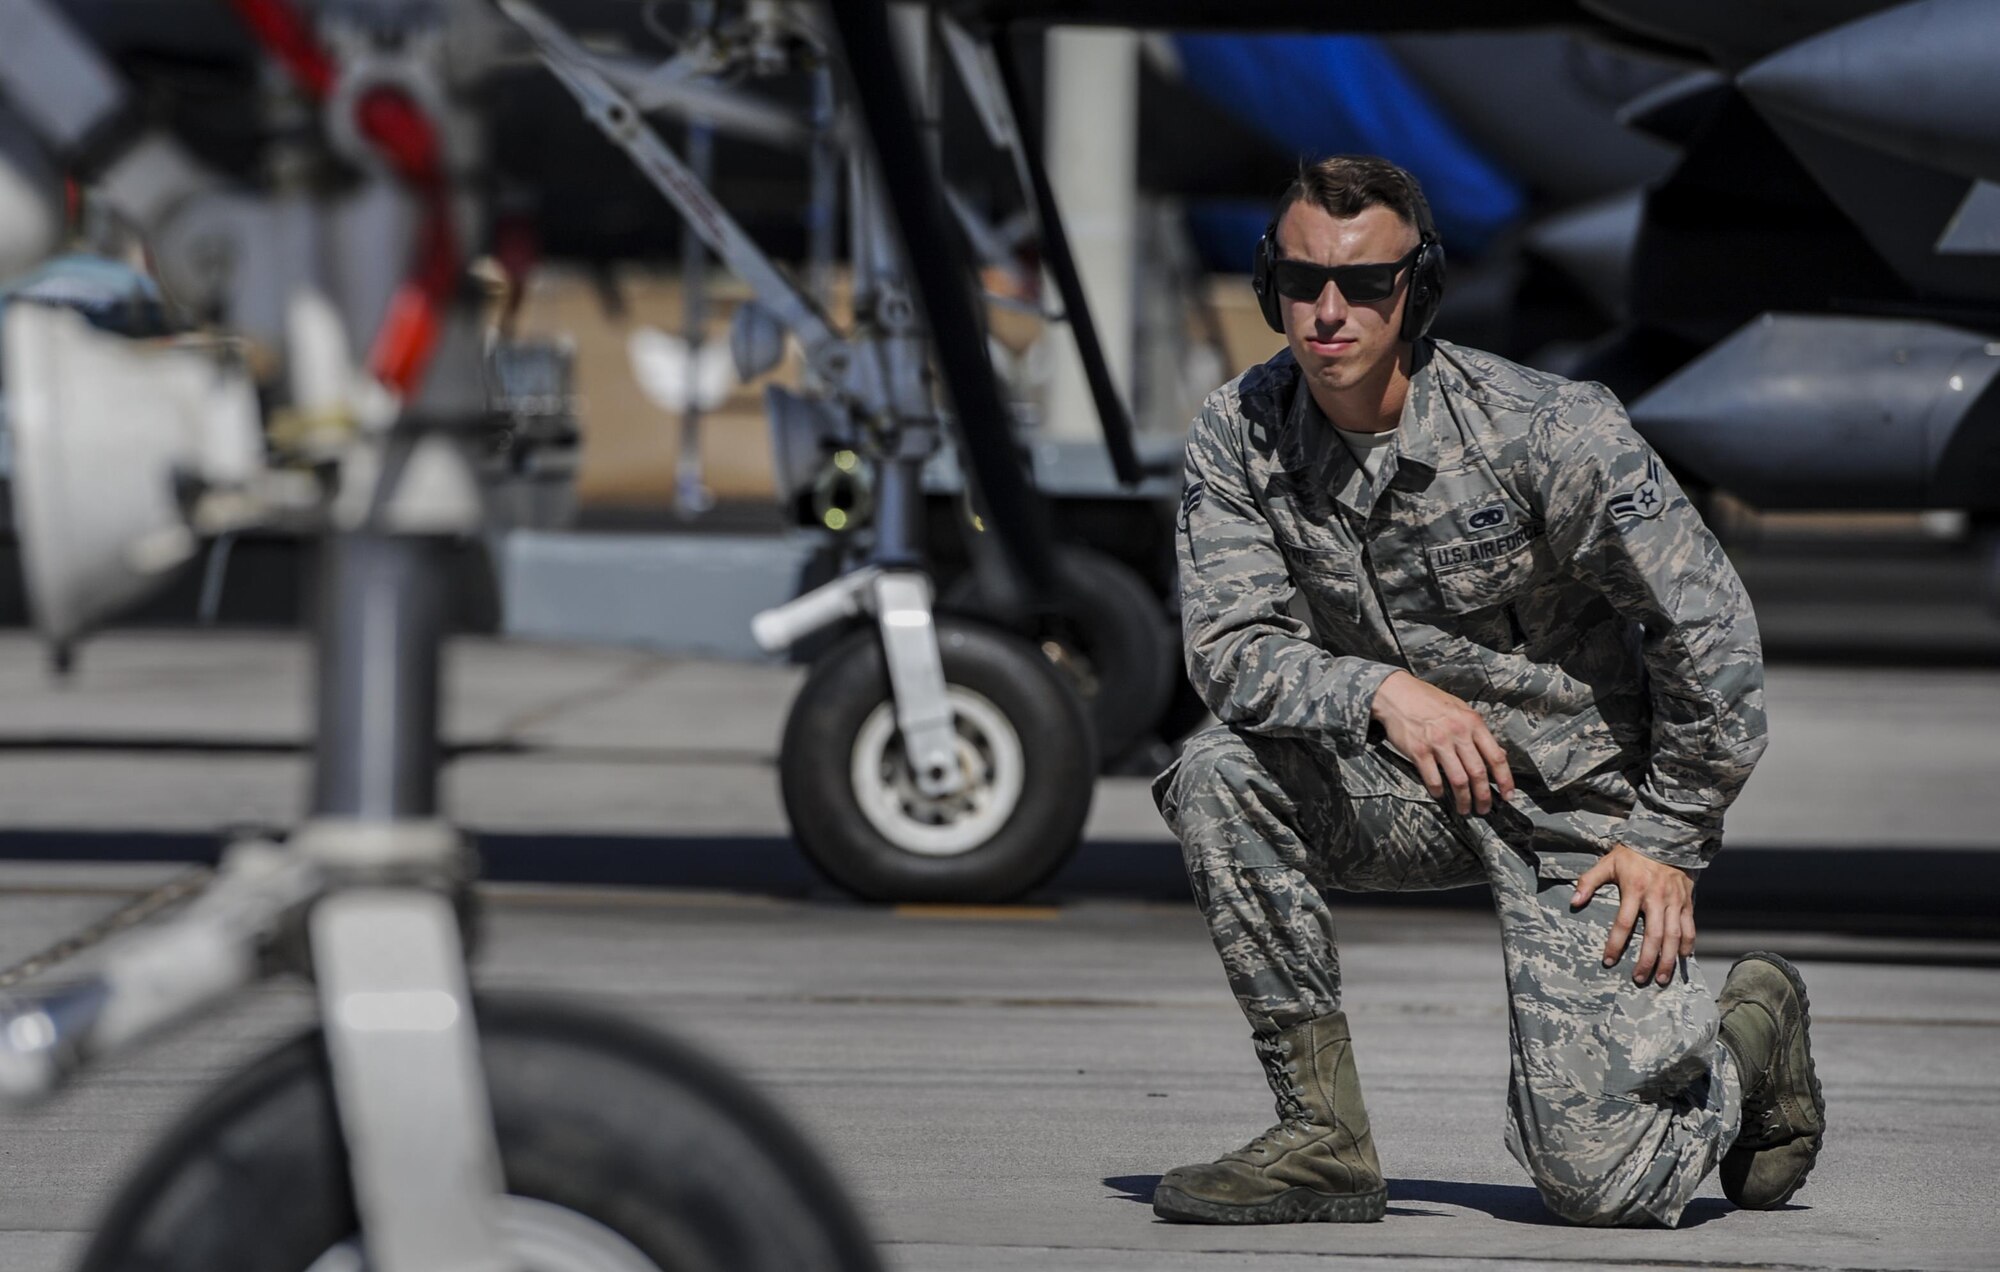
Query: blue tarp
[1340, 94]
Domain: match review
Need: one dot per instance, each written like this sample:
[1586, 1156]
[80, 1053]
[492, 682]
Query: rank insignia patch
[1647, 499]
[1191, 499]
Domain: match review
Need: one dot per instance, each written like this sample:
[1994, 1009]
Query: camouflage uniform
[1523, 549]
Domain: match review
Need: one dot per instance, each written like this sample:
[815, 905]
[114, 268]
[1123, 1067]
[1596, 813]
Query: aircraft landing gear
[622, 1152]
[1021, 747]
[1102, 627]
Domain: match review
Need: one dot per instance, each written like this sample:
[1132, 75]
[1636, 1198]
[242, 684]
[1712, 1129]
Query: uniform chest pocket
[1329, 580]
[1475, 574]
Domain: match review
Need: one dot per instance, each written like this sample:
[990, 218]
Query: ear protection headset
[1426, 285]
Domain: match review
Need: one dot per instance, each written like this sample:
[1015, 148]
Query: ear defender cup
[1426, 285]
[1260, 277]
[1426, 290]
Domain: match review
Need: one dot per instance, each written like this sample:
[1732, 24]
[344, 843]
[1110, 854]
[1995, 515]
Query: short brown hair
[1342, 185]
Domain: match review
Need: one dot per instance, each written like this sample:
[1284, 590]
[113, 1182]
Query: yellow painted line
[583, 894]
[982, 913]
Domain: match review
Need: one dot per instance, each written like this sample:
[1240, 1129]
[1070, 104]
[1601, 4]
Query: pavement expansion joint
[1541, 1258]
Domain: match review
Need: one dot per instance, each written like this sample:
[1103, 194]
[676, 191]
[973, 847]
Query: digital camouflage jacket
[1522, 548]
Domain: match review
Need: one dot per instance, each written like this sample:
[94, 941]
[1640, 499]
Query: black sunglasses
[1361, 284]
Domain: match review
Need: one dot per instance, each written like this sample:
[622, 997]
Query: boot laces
[1294, 1122]
[1762, 1108]
[1769, 1121]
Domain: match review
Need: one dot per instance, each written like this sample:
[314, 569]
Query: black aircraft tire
[620, 1138]
[1024, 739]
[1185, 713]
[1110, 635]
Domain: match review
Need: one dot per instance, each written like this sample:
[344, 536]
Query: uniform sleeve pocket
[1561, 750]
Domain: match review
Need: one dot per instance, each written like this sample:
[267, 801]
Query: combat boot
[1765, 1020]
[1317, 1165]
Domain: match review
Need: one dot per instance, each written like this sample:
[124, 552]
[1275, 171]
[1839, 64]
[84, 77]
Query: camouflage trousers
[1622, 1097]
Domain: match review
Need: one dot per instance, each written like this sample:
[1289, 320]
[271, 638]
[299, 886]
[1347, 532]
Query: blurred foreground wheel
[1024, 746]
[623, 1151]
[1106, 632]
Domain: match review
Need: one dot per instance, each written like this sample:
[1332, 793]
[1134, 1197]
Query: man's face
[1338, 343]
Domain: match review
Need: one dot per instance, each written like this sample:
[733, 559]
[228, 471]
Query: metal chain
[180, 888]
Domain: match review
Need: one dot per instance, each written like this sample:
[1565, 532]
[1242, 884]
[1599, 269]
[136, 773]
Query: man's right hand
[1446, 739]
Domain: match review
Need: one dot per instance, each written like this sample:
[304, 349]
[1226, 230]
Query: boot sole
[1294, 1205]
[1798, 981]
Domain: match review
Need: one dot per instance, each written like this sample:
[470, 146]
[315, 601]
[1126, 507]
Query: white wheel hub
[539, 1236]
[990, 759]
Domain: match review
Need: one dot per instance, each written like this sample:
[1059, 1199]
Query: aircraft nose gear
[990, 764]
[1025, 765]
